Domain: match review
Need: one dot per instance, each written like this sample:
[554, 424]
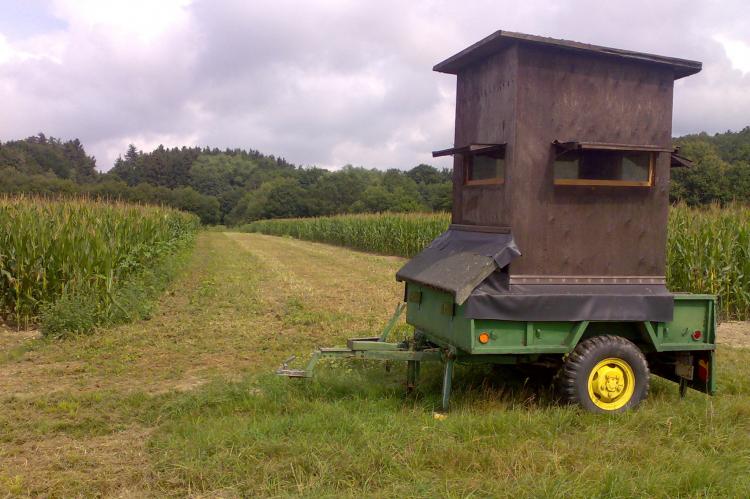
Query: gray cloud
[327, 82]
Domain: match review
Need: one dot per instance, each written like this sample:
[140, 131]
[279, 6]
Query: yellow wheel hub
[611, 384]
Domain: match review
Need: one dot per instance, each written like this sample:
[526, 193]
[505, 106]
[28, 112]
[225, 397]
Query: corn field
[708, 251]
[708, 248]
[50, 249]
[400, 234]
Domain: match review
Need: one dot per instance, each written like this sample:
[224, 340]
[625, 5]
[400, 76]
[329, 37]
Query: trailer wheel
[605, 374]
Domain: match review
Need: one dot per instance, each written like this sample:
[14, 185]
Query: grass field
[71, 264]
[708, 248]
[183, 404]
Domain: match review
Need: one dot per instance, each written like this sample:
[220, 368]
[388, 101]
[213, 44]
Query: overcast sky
[319, 82]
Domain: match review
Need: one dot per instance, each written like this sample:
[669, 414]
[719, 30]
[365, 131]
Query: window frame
[581, 147]
[468, 159]
[467, 153]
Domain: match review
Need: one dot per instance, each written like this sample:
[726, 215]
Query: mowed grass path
[183, 403]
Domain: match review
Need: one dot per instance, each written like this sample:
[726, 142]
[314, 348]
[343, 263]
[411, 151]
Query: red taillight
[697, 335]
[703, 370]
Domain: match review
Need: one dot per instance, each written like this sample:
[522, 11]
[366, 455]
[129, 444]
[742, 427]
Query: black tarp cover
[495, 299]
[473, 267]
[458, 260]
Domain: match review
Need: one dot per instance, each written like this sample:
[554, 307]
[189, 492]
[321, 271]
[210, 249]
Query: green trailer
[604, 365]
[556, 255]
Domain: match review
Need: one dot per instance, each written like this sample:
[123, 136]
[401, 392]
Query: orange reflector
[484, 338]
[703, 370]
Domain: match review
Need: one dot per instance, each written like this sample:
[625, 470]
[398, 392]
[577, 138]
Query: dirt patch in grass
[15, 345]
[114, 465]
[735, 333]
[11, 338]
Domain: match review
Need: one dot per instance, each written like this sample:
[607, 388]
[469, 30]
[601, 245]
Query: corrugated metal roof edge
[499, 39]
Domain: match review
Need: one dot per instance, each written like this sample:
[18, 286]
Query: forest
[236, 186]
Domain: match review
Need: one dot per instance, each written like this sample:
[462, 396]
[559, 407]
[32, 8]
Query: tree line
[720, 171]
[235, 186]
[230, 186]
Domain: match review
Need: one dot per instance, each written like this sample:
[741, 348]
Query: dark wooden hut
[556, 254]
[568, 145]
[561, 182]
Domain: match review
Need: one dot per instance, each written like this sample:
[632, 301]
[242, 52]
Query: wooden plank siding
[485, 114]
[529, 95]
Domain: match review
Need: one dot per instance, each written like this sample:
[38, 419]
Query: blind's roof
[498, 40]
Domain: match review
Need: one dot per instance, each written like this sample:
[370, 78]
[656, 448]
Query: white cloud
[6, 51]
[141, 21]
[33, 51]
[737, 51]
[112, 148]
[324, 82]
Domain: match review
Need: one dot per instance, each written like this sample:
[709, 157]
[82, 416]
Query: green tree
[706, 181]
[427, 174]
[206, 207]
[375, 199]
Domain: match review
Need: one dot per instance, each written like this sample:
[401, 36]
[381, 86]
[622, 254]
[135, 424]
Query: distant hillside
[732, 147]
[721, 170]
[235, 186]
[40, 155]
[231, 186]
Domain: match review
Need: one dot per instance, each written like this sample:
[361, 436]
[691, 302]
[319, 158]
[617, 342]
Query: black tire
[577, 373]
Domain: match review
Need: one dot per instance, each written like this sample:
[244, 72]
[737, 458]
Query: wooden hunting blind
[557, 249]
[567, 147]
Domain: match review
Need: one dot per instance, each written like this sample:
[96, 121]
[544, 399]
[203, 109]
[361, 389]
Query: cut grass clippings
[184, 404]
[708, 248]
[355, 433]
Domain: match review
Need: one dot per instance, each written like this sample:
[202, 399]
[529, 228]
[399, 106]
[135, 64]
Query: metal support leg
[412, 374]
[683, 387]
[392, 322]
[447, 379]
